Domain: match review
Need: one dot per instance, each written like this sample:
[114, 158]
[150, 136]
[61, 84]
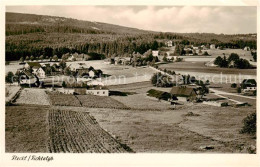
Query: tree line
[118, 46]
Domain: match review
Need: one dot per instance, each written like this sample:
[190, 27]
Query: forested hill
[29, 34]
[29, 23]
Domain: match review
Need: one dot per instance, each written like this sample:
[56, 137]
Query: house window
[97, 92]
[104, 92]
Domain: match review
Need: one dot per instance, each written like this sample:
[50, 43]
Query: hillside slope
[41, 23]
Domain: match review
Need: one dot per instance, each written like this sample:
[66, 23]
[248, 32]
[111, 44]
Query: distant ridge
[44, 20]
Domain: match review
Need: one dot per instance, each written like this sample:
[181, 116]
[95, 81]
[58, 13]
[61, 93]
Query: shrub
[8, 103]
[9, 77]
[249, 124]
[233, 85]
[161, 80]
[238, 90]
[206, 53]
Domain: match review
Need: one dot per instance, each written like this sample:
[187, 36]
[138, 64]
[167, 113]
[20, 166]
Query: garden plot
[78, 132]
[58, 99]
[33, 96]
[99, 102]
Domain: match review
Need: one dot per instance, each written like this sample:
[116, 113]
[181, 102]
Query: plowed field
[64, 100]
[78, 132]
[100, 102]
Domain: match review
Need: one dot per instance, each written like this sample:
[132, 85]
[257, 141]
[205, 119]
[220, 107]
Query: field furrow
[78, 132]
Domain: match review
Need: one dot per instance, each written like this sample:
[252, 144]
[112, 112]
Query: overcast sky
[227, 20]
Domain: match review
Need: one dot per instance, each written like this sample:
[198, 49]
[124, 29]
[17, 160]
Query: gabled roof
[249, 82]
[182, 91]
[160, 94]
[28, 74]
[34, 64]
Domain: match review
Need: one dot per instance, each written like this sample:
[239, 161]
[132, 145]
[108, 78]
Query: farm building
[248, 85]
[96, 90]
[184, 93]
[161, 95]
[66, 90]
[212, 46]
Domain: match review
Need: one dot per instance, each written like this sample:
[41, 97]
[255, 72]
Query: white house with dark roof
[37, 69]
[169, 43]
[212, 46]
[155, 53]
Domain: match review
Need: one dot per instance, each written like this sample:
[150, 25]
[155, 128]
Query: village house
[123, 60]
[212, 46]
[39, 72]
[78, 57]
[247, 48]
[92, 73]
[77, 66]
[83, 72]
[184, 93]
[98, 91]
[248, 85]
[169, 43]
[195, 47]
[36, 68]
[171, 58]
[26, 78]
[95, 90]
[203, 47]
[71, 58]
[66, 90]
[155, 53]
